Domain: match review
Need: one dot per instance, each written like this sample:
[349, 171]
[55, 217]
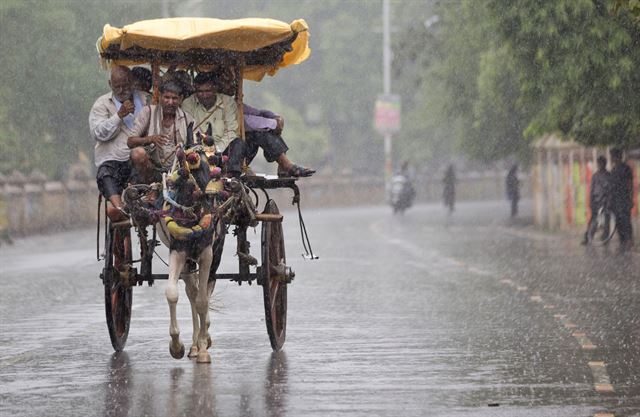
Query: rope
[306, 243]
[168, 199]
[159, 257]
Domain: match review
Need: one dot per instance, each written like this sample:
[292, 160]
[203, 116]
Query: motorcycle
[401, 194]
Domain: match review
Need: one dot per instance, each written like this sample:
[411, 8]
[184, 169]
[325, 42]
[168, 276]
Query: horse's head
[206, 138]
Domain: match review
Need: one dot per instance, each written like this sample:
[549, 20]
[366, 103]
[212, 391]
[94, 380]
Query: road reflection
[116, 402]
[196, 390]
[175, 379]
[276, 388]
[201, 399]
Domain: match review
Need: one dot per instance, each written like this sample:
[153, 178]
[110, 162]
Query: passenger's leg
[252, 144]
[235, 151]
[623, 223]
[144, 170]
[112, 177]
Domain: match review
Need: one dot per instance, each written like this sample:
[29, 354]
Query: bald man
[110, 122]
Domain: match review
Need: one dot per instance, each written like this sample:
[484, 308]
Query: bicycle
[602, 224]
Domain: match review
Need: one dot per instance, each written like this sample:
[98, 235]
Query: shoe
[248, 172]
[296, 171]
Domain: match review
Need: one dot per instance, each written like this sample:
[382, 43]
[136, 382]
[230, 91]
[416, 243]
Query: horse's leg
[176, 263]
[191, 283]
[216, 248]
[202, 303]
[210, 286]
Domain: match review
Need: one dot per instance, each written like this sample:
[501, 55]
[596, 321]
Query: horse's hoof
[193, 352]
[176, 353]
[204, 357]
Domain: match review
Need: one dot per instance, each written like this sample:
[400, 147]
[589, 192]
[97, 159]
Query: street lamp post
[386, 74]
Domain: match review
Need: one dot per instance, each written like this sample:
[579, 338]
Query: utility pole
[386, 74]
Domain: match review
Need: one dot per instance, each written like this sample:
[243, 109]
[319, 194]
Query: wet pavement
[419, 315]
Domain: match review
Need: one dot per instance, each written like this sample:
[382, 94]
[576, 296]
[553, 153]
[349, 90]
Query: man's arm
[247, 109]
[261, 120]
[259, 123]
[103, 125]
[139, 135]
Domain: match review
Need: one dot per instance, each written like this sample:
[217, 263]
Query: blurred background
[478, 83]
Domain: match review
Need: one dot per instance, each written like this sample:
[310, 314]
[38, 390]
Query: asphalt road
[419, 315]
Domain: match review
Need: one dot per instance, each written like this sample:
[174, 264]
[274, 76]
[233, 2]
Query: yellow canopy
[265, 45]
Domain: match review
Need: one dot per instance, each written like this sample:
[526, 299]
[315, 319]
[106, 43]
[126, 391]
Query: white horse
[188, 225]
[189, 231]
[199, 290]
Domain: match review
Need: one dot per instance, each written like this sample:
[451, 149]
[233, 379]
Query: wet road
[408, 316]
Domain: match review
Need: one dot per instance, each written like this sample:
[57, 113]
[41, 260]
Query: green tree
[50, 78]
[631, 6]
[577, 65]
[468, 100]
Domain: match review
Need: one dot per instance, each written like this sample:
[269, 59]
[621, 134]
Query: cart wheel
[274, 289]
[118, 293]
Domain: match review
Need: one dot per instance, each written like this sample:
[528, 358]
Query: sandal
[296, 171]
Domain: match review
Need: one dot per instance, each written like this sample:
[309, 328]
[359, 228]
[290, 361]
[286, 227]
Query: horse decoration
[184, 209]
[191, 192]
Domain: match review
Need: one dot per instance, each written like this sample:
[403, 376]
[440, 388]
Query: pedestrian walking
[513, 189]
[449, 189]
[622, 197]
[599, 193]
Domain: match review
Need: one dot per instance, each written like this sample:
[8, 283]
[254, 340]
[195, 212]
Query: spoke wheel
[602, 228]
[118, 293]
[273, 287]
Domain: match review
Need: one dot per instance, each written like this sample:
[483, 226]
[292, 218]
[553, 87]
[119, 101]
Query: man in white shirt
[208, 105]
[110, 120]
[263, 129]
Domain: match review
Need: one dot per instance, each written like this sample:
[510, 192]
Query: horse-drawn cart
[251, 48]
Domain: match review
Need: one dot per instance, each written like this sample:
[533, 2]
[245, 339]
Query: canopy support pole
[155, 79]
[240, 96]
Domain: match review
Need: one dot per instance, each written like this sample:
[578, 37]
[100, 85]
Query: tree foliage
[484, 77]
[512, 70]
[631, 6]
[577, 64]
[50, 79]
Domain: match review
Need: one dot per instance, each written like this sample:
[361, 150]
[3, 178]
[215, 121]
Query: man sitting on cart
[110, 121]
[155, 134]
[263, 128]
[207, 106]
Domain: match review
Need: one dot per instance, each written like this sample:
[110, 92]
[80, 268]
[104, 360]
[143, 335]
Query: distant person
[513, 189]
[402, 192]
[622, 197]
[598, 198]
[110, 122]
[142, 79]
[449, 189]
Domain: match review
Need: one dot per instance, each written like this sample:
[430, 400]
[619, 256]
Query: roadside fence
[561, 179]
[32, 204]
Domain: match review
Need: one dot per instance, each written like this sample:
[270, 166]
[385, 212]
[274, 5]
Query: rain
[384, 208]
